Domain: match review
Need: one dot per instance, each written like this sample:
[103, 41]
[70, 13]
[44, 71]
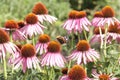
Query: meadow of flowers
[88, 51]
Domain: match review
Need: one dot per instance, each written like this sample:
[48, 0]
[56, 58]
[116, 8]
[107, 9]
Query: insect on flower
[62, 39]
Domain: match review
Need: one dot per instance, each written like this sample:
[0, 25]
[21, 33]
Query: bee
[62, 40]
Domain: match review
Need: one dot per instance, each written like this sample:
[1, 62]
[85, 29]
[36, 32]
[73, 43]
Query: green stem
[105, 43]
[33, 40]
[5, 68]
[26, 73]
[101, 44]
[85, 35]
[78, 36]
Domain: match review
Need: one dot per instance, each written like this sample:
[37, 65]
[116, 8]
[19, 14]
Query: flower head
[114, 32]
[72, 14]
[5, 44]
[27, 51]
[77, 72]
[83, 45]
[31, 18]
[11, 24]
[27, 58]
[53, 56]
[98, 14]
[40, 8]
[42, 44]
[108, 12]
[81, 14]
[42, 13]
[44, 38]
[4, 37]
[83, 53]
[33, 27]
[54, 47]
[104, 77]
[76, 22]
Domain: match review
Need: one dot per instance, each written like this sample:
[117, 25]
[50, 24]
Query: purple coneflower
[12, 27]
[103, 76]
[53, 56]
[27, 58]
[108, 14]
[114, 32]
[96, 38]
[77, 72]
[77, 22]
[42, 13]
[83, 53]
[5, 44]
[32, 27]
[41, 46]
[98, 16]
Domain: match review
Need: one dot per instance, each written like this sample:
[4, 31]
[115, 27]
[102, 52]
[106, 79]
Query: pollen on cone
[97, 30]
[31, 18]
[54, 46]
[81, 14]
[4, 37]
[83, 45]
[104, 77]
[44, 38]
[77, 72]
[11, 24]
[72, 14]
[108, 12]
[28, 50]
[98, 14]
[114, 28]
[39, 8]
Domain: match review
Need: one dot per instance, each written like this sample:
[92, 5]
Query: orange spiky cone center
[21, 24]
[39, 8]
[81, 14]
[77, 72]
[97, 30]
[83, 45]
[11, 24]
[44, 38]
[104, 77]
[114, 28]
[28, 50]
[4, 37]
[54, 47]
[72, 14]
[31, 18]
[98, 14]
[108, 12]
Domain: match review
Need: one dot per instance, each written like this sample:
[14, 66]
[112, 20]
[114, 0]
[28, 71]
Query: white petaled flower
[27, 58]
[53, 56]
[42, 13]
[83, 53]
[42, 44]
[32, 27]
[6, 45]
[77, 22]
